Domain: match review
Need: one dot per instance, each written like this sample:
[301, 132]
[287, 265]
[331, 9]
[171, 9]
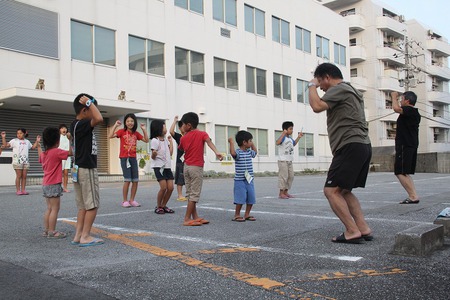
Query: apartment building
[388, 53]
[241, 65]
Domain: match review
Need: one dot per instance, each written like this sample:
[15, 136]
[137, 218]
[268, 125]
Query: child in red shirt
[51, 160]
[193, 144]
[128, 141]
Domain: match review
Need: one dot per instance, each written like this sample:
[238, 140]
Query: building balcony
[439, 71]
[357, 54]
[356, 23]
[359, 83]
[388, 83]
[439, 47]
[437, 96]
[390, 54]
[391, 26]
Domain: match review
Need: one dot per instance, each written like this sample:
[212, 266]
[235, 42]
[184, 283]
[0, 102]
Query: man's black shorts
[350, 166]
[405, 160]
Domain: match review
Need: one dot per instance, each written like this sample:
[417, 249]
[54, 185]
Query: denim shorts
[244, 192]
[131, 173]
[52, 191]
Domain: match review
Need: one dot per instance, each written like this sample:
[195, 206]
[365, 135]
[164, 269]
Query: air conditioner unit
[401, 18]
[437, 130]
[430, 32]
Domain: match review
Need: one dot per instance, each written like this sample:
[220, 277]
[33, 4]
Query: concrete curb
[419, 240]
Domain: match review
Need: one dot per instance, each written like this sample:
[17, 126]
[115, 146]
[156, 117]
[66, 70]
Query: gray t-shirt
[346, 121]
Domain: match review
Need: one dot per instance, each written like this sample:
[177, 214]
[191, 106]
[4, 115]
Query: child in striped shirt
[244, 189]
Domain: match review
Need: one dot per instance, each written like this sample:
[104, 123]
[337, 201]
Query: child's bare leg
[89, 219]
[65, 179]
[168, 193]
[79, 225]
[248, 208]
[161, 192]
[180, 191]
[24, 179]
[191, 211]
[126, 186]
[134, 186]
[18, 178]
[46, 215]
[54, 210]
[237, 212]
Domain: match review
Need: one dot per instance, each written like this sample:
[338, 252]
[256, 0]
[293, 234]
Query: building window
[93, 43]
[254, 20]
[281, 86]
[256, 80]
[280, 31]
[302, 91]
[223, 133]
[306, 145]
[189, 65]
[225, 11]
[260, 140]
[391, 130]
[193, 5]
[225, 74]
[339, 54]
[352, 42]
[302, 39]
[354, 72]
[322, 47]
[145, 55]
[277, 135]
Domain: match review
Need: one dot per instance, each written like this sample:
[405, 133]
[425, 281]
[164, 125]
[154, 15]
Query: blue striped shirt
[243, 163]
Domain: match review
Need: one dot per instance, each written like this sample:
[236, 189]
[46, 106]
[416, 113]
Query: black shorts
[405, 160]
[165, 175]
[179, 174]
[350, 166]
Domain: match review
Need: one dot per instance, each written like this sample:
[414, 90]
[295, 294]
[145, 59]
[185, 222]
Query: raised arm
[280, 139]
[232, 150]
[300, 134]
[395, 105]
[96, 116]
[214, 149]
[114, 129]
[39, 149]
[172, 127]
[4, 143]
[37, 143]
[144, 131]
[316, 103]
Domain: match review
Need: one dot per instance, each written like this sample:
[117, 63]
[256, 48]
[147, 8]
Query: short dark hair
[328, 69]
[133, 116]
[287, 124]
[411, 97]
[180, 124]
[156, 128]
[25, 133]
[62, 126]
[77, 106]
[190, 118]
[50, 137]
[243, 136]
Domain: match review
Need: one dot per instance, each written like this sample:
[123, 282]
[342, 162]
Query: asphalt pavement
[286, 253]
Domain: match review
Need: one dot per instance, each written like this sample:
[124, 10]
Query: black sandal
[409, 201]
[168, 210]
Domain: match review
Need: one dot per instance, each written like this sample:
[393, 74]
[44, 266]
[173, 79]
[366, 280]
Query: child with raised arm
[192, 143]
[51, 160]
[85, 152]
[244, 189]
[162, 149]
[286, 146]
[128, 142]
[179, 167]
[64, 144]
[20, 161]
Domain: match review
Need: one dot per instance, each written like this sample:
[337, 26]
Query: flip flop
[74, 243]
[341, 239]
[250, 218]
[192, 223]
[409, 201]
[94, 242]
[238, 219]
[202, 221]
[367, 237]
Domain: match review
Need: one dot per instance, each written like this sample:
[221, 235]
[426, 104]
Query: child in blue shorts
[244, 189]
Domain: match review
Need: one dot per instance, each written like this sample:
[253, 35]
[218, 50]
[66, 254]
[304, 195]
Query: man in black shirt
[406, 142]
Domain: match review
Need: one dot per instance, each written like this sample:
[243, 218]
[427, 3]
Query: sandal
[409, 201]
[238, 219]
[159, 211]
[56, 235]
[45, 233]
[250, 218]
[168, 210]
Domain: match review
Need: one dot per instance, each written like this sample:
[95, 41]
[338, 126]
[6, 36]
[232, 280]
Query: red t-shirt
[193, 144]
[128, 142]
[51, 161]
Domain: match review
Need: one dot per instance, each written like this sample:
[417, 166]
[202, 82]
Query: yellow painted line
[356, 274]
[265, 283]
[137, 234]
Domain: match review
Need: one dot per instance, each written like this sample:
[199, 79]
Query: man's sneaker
[134, 203]
[126, 204]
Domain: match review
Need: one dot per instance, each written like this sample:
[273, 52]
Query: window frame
[224, 16]
[188, 5]
[255, 80]
[320, 45]
[301, 38]
[228, 131]
[255, 12]
[284, 79]
[225, 73]
[280, 32]
[340, 50]
[303, 151]
[146, 53]
[189, 58]
[302, 85]
[257, 138]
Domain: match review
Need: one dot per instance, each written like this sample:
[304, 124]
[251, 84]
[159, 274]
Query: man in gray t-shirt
[350, 145]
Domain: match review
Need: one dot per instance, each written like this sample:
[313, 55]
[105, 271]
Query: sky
[433, 13]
